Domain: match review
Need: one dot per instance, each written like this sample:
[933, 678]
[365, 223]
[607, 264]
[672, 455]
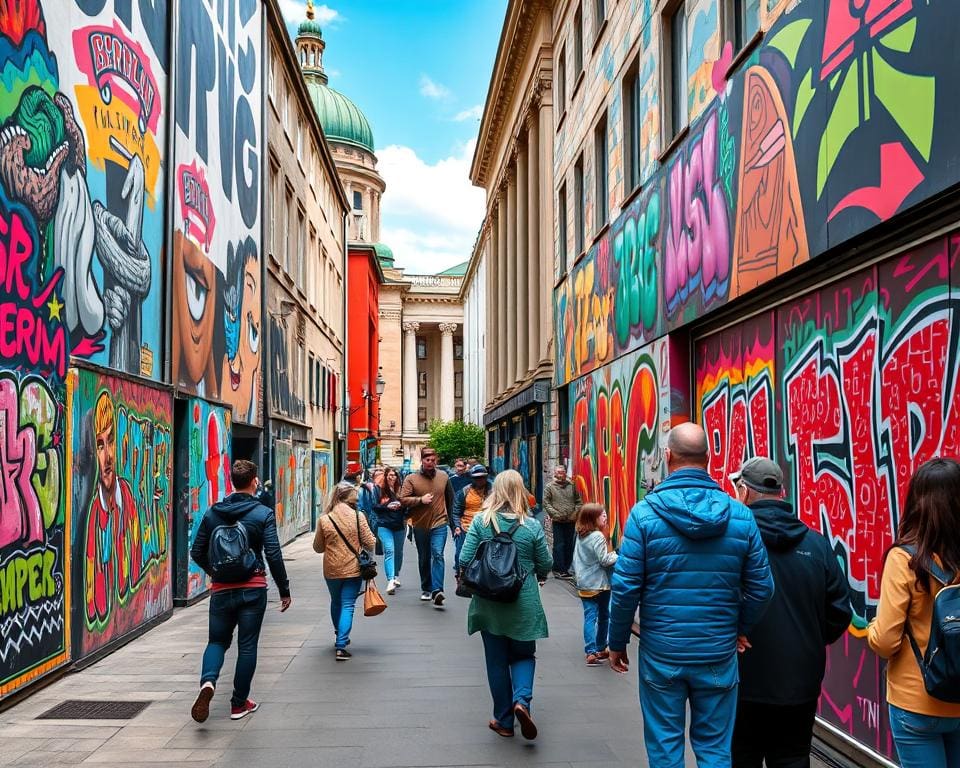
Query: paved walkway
[414, 694]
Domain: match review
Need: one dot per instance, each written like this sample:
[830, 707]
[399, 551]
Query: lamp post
[379, 385]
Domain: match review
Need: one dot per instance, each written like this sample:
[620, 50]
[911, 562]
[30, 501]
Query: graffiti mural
[840, 120]
[851, 388]
[618, 415]
[284, 398]
[292, 472]
[216, 252]
[203, 478]
[120, 460]
[322, 480]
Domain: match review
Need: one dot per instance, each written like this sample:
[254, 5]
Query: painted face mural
[194, 283]
[242, 325]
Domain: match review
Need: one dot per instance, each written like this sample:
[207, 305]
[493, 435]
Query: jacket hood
[693, 503]
[780, 528]
[235, 506]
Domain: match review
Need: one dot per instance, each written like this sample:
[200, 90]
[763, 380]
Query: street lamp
[380, 383]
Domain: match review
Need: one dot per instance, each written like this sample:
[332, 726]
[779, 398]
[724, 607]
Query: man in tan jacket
[428, 498]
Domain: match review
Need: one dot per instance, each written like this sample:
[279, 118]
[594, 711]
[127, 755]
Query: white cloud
[474, 113]
[433, 90]
[295, 11]
[431, 213]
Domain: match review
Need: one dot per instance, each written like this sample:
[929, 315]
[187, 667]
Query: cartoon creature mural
[241, 318]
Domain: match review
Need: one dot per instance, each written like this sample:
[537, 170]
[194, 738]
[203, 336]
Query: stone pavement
[414, 694]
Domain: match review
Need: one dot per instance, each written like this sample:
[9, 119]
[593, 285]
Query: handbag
[368, 566]
[373, 602]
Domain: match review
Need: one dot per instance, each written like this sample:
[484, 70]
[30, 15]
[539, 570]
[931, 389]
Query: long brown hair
[386, 489]
[588, 520]
[931, 519]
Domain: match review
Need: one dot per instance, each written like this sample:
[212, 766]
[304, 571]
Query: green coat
[524, 619]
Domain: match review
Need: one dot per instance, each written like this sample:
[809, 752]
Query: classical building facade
[306, 215]
[514, 164]
[473, 294]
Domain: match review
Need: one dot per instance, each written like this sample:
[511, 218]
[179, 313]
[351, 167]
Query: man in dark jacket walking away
[562, 503]
[784, 655]
[692, 561]
[238, 604]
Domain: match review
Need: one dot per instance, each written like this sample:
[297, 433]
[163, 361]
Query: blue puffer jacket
[692, 560]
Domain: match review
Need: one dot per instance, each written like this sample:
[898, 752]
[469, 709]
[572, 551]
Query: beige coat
[338, 561]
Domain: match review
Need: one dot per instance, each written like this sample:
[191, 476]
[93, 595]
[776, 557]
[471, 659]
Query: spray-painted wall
[202, 479]
[120, 461]
[292, 473]
[218, 144]
[322, 481]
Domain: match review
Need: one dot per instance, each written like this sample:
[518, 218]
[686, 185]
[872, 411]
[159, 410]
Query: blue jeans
[430, 546]
[925, 741]
[510, 668]
[711, 690]
[392, 542]
[242, 609]
[343, 601]
[596, 622]
[458, 544]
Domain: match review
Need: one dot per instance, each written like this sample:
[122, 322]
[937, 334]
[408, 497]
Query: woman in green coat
[510, 630]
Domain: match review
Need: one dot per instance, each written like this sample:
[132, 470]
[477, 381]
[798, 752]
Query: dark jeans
[564, 538]
[779, 735]
[511, 665]
[430, 545]
[242, 609]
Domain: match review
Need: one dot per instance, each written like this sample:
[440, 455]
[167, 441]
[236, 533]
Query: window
[458, 347]
[422, 419]
[458, 413]
[301, 250]
[358, 201]
[284, 106]
[600, 9]
[422, 384]
[600, 173]
[562, 79]
[678, 69]
[272, 75]
[313, 278]
[743, 16]
[274, 187]
[313, 400]
[421, 348]
[631, 126]
[579, 203]
[287, 246]
[562, 224]
[458, 384]
[299, 143]
[578, 42]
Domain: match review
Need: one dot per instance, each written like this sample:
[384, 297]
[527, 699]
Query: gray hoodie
[591, 562]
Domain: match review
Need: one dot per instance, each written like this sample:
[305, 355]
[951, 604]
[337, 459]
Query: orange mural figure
[771, 236]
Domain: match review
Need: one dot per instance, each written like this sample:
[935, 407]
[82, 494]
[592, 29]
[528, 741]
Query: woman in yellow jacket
[926, 730]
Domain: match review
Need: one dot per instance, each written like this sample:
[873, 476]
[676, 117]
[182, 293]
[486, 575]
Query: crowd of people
[734, 600]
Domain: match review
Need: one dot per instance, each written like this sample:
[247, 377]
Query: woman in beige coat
[341, 533]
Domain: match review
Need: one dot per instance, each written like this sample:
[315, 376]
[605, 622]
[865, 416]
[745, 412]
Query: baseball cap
[478, 470]
[760, 474]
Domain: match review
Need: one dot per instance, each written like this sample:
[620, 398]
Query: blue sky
[419, 70]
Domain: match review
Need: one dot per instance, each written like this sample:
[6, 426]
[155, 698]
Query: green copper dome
[341, 119]
[384, 254]
[309, 27]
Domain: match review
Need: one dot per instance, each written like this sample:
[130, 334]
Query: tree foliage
[456, 439]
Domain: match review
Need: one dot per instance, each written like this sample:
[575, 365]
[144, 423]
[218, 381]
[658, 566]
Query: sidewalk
[414, 694]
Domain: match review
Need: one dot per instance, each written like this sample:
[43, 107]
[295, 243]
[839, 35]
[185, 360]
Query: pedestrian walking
[460, 478]
[692, 561]
[368, 495]
[342, 532]
[924, 559]
[510, 630]
[428, 499]
[467, 504]
[562, 502]
[592, 561]
[781, 671]
[391, 526]
[234, 537]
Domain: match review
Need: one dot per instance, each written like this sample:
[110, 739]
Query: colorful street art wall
[292, 473]
[840, 120]
[218, 143]
[618, 417]
[851, 388]
[322, 481]
[120, 457]
[202, 479]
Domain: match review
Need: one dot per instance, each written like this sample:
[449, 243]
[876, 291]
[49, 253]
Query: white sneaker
[426, 597]
[391, 587]
[396, 583]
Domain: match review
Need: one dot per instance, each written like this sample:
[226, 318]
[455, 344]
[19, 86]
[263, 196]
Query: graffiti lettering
[27, 580]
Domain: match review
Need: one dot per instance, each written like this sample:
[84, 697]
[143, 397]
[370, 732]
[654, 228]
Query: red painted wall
[363, 358]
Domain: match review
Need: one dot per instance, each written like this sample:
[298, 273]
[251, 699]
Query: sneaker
[391, 587]
[438, 599]
[528, 728]
[594, 660]
[604, 655]
[201, 707]
[396, 582]
[237, 713]
[426, 596]
[342, 654]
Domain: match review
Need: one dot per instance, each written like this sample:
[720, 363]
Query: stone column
[446, 370]
[511, 265]
[410, 378]
[546, 215]
[501, 306]
[488, 298]
[523, 314]
[533, 241]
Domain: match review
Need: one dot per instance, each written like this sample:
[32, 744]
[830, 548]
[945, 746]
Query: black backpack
[229, 555]
[940, 665]
[495, 572]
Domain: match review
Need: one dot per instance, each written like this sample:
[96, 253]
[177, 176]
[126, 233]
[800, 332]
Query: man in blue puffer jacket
[692, 561]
